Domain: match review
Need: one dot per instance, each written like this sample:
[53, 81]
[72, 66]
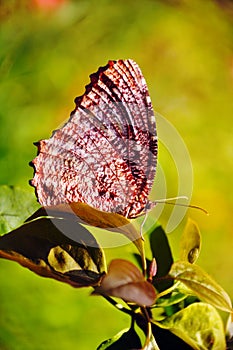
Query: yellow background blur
[185, 50]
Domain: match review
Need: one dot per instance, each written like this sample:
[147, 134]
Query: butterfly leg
[142, 224]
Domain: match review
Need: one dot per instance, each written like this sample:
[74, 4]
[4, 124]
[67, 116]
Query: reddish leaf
[124, 280]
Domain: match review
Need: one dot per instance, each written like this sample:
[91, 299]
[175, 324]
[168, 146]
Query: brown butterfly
[105, 155]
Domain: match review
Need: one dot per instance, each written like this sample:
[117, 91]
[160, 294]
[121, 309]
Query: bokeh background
[47, 50]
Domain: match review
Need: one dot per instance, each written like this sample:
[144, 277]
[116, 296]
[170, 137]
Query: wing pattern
[105, 155]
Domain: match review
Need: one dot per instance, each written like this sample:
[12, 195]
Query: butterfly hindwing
[105, 155]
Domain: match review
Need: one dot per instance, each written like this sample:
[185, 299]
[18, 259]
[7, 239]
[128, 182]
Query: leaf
[168, 306]
[124, 280]
[174, 299]
[85, 214]
[42, 246]
[16, 205]
[190, 242]
[158, 313]
[126, 339]
[164, 338]
[162, 253]
[201, 284]
[199, 325]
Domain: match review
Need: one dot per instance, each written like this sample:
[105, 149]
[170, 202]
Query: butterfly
[105, 155]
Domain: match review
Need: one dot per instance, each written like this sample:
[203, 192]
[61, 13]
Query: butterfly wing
[105, 155]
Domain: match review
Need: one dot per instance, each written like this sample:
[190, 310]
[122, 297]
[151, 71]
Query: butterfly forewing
[105, 155]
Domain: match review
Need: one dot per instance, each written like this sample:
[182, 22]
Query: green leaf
[43, 246]
[158, 313]
[16, 205]
[124, 280]
[126, 339]
[203, 286]
[199, 325]
[175, 298]
[162, 253]
[190, 242]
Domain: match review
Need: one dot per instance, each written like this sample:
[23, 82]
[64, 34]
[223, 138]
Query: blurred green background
[47, 51]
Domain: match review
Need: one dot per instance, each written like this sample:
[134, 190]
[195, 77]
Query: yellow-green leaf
[203, 286]
[190, 242]
[199, 325]
[175, 298]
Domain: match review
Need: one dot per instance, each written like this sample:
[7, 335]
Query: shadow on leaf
[40, 246]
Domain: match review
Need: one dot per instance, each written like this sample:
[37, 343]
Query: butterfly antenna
[167, 201]
[170, 199]
[189, 206]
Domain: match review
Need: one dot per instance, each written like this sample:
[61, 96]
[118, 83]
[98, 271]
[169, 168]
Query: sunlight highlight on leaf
[199, 325]
[203, 286]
